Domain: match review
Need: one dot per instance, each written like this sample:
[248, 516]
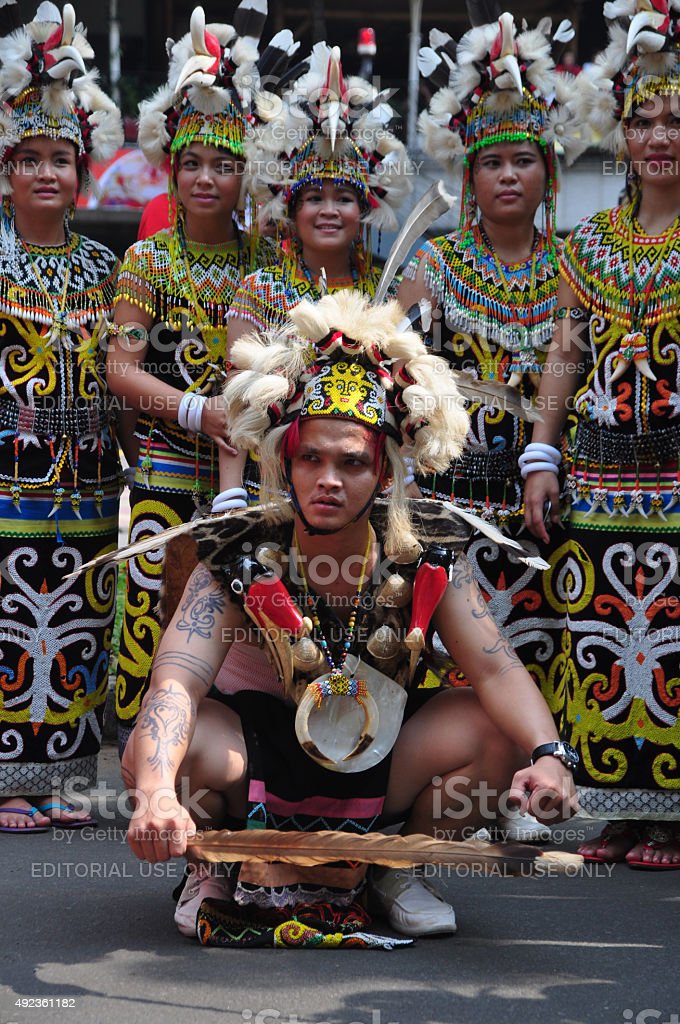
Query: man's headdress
[344, 358]
[46, 89]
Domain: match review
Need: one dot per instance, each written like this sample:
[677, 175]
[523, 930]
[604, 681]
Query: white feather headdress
[641, 60]
[328, 127]
[214, 72]
[46, 89]
[498, 84]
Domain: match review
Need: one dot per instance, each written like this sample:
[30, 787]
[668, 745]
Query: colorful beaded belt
[53, 422]
[608, 447]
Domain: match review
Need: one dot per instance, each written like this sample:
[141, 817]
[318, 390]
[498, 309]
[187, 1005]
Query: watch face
[569, 755]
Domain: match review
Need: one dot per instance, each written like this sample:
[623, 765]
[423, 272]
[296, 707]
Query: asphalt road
[88, 938]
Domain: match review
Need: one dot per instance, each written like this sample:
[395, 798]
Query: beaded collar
[149, 277]
[87, 294]
[266, 296]
[479, 298]
[597, 260]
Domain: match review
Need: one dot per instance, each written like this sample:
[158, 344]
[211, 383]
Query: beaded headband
[30, 120]
[225, 130]
[641, 61]
[45, 89]
[307, 168]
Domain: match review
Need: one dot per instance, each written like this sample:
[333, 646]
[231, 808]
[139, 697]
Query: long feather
[249, 18]
[291, 75]
[493, 533]
[433, 67]
[496, 394]
[158, 540]
[309, 848]
[277, 53]
[482, 12]
[444, 42]
[433, 204]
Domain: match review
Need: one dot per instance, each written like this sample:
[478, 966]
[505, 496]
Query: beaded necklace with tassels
[634, 346]
[339, 682]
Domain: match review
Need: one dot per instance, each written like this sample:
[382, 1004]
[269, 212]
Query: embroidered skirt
[55, 638]
[616, 681]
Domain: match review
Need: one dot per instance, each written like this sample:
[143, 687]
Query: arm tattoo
[503, 646]
[197, 667]
[166, 720]
[204, 600]
[462, 579]
[461, 574]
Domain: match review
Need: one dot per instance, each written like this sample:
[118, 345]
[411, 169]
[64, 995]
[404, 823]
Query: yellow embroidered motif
[346, 389]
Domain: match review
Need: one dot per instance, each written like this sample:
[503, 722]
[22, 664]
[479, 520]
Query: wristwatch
[564, 751]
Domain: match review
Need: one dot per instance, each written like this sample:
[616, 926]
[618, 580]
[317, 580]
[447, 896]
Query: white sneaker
[521, 828]
[203, 883]
[409, 904]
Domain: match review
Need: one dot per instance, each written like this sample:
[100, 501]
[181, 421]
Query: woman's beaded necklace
[524, 355]
[60, 328]
[201, 320]
[339, 682]
[499, 266]
[309, 277]
[634, 347]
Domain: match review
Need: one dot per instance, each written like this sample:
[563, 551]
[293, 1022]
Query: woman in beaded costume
[174, 291]
[492, 284]
[59, 468]
[339, 174]
[615, 359]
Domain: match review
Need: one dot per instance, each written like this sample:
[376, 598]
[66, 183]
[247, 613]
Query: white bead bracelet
[233, 497]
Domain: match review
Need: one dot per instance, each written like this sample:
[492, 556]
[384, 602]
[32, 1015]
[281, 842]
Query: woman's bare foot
[12, 818]
[613, 843]
[658, 848]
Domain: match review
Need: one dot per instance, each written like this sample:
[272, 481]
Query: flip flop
[76, 823]
[655, 838]
[613, 831]
[29, 814]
